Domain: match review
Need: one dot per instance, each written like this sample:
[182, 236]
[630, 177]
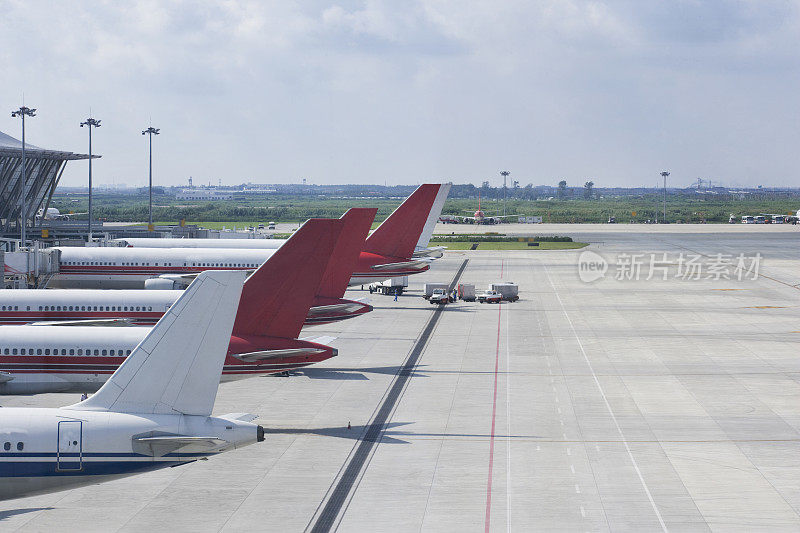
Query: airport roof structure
[44, 169]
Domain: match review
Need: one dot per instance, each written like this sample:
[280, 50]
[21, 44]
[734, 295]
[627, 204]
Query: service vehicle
[390, 286]
[440, 297]
[490, 297]
[508, 290]
[748, 219]
[271, 225]
[466, 292]
[430, 287]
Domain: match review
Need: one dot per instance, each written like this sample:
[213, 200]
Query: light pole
[90, 123]
[505, 174]
[151, 131]
[664, 175]
[22, 112]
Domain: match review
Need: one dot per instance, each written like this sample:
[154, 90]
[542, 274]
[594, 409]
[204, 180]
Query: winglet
[398, 235]
[177, 366]
[277, 297]
[343, 260]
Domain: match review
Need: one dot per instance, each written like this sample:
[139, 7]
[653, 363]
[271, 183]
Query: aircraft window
[138, 308]
[20, 446]
[46, 308]
[149, 308]
[16, 308]
[72, 351]
[63, 351]
[80, 351]
[47, 351]
[5, 352]
[96, 351]
[126, 308]
[105, 352]
[59, 308]
[22, 351]
[14, 351]
[127, 352]
[7, 446]
[70, 308]
[28, 308]
[4, 308]
[39, 351]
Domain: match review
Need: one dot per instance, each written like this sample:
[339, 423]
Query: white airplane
[479, 217]
[273, 306]
[23, 306]
[154, 412]
[419, 201]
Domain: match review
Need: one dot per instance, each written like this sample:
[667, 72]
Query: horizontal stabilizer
[239, 417]
[161, 445]
[5, 377]
[343, 308]
[266, 355]
[419, 264]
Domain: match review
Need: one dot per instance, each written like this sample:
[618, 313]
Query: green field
[512, 245]
[250, 211]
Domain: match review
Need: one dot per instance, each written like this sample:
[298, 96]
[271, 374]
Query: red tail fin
[357, 223]
[276, 298]
[398, 235]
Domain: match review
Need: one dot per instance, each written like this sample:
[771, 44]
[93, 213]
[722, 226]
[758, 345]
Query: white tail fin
[177, 366]
[433, 216]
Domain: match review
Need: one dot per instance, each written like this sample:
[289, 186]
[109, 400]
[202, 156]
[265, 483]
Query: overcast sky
[407, 91]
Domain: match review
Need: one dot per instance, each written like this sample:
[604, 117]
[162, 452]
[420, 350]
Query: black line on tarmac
[338, 496]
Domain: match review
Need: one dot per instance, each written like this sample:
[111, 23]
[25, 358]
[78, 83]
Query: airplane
[138, 307]
[154, 412]
[479, 217]
[275, 301]
[420, 249]
[54, 214]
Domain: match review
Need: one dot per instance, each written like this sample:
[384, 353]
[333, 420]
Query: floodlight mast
[664, 175]
[505, 174]
[22, 112]
[151, 131]
[90, 123]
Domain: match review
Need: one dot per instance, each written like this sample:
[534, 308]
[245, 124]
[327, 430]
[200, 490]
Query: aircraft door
[70, 445]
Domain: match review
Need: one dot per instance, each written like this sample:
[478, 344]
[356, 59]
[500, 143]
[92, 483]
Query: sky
[413, 91]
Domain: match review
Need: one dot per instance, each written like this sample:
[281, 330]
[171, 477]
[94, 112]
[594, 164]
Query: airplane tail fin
[277, 297]
[177, 366]
[342, 263]
[398, 235]
[433, 216]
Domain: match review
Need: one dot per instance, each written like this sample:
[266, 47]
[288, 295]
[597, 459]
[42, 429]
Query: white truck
[439, 296]
[430, 287]
[508, 290]
[390, 286]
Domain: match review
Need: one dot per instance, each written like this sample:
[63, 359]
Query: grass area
[513, 245]
[252, 210]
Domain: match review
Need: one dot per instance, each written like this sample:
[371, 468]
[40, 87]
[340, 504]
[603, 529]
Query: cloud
[362, 91]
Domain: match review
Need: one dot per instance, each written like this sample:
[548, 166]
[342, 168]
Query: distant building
[203, 194]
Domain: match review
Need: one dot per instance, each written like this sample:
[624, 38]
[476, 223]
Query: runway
[660, 399]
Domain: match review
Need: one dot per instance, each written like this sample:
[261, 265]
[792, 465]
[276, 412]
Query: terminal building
[44, 169]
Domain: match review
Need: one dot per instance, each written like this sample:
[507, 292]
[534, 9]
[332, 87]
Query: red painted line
[494, 417]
